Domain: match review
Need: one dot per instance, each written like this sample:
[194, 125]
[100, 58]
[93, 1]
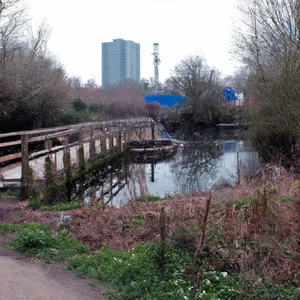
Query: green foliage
[9, 192]
[243, 203]
[96, 108]
[38, 240]
[136, 273]
[138, 220]
[34, 202]
[71, 116]
[266, 290]
[149, 198]
[62, 206]
[32, 238]
[78, 105]
[18, 227]
[218, 285]
[80, 112]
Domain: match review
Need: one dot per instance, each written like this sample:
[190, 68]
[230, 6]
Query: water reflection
[205, 162]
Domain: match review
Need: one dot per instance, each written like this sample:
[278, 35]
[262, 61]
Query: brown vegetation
[252, 229]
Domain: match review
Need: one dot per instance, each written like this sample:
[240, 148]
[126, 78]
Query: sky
[181, 27]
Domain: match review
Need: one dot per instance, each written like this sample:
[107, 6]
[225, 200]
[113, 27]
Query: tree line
[35, 90]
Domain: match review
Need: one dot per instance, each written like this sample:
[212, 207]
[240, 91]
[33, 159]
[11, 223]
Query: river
[205, 160]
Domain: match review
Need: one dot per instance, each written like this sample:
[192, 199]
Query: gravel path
[23, 279]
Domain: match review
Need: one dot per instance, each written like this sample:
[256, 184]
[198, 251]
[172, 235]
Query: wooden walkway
[87, 140]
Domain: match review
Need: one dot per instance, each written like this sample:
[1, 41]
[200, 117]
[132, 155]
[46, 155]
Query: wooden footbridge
[24, 155]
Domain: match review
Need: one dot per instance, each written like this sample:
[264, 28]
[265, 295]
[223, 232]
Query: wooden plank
[10, 179]
[25, 166]
[52, 150]
[53, 135]
[8, 144]
[10, 157]
[123, 123]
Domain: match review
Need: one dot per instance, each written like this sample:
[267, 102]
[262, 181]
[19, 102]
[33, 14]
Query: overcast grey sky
[181, 27]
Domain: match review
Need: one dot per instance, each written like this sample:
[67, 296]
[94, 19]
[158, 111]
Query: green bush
[78, 105]
[9, 192]
[18, 227]
[38, 240]
[32, 238]
[62, 206]
[96, 108]
[149, 198]
[71, 116]
[34, 203]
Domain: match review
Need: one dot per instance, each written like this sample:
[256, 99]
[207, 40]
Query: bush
[32, 238]
[37, 240]
[71, 116]
[78, 105]
[62, 206]
[149, 198]
[9, 192]
[34, 203]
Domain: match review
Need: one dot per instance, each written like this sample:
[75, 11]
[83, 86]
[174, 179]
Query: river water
[204, 161]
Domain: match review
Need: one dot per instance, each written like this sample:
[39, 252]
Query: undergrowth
[35, 203]
[149, 198]
[37, 241]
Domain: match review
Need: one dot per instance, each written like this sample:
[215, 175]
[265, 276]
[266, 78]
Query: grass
[37, 241]
[17, 227]
[63, 206]
[136, 274]
[149, 199]
[12, 193]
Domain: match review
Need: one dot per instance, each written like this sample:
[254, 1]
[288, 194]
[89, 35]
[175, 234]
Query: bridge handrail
[76, 126]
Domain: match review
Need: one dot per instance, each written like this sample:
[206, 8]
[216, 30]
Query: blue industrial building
[234, 96]
[165, 101]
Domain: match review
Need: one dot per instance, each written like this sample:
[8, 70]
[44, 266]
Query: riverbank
[252, 233]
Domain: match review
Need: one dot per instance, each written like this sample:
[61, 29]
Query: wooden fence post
[120, 140]
[92, 147]
[25, 166]
[152, 131]
[80, 153]
[111, 142]
[103, 145]
[48, 144]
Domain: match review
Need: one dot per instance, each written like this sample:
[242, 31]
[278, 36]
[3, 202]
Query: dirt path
[23, 279]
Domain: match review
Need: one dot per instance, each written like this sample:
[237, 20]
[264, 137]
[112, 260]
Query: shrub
[9, 192]
[149, 198]
[37, 240]
[32, 238]
[34, 203]
[62, 206]
[78, 105]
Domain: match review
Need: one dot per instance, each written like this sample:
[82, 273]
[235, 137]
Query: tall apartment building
[120, 61]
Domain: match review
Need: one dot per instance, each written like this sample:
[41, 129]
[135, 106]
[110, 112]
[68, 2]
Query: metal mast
[156, 62]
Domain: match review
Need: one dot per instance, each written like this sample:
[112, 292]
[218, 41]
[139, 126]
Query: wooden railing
[100, 137]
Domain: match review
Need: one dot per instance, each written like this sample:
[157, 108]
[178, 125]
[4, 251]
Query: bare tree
[268, 43]
[201, 84]
[33, 85]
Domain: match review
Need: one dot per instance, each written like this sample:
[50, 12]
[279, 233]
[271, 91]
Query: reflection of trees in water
[196, 165]
[136, 181]
[106, 181]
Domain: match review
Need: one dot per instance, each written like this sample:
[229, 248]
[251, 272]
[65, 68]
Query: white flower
[207, 282]
[224, 274]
